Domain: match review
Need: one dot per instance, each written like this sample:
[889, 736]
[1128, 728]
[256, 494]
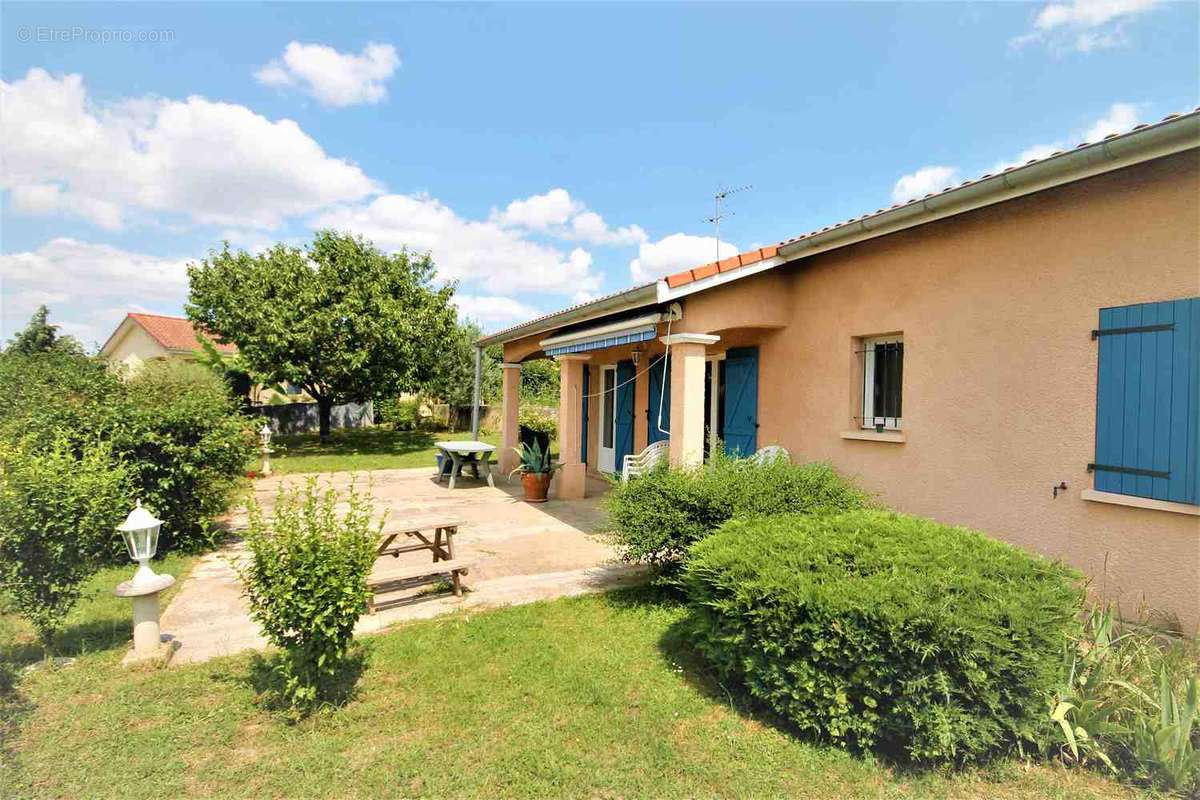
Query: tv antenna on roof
[717, 216]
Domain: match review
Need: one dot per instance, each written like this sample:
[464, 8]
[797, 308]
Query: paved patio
[521, 553]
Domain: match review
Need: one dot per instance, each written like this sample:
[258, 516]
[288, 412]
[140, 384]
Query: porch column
[687, 352]
[572, 478]
[510, 406]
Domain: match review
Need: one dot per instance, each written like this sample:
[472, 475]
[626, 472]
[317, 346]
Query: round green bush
[656, 516]
[884, 632]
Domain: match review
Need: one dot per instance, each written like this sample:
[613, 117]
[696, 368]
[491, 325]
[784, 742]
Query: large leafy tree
[39, 336]
[339, 318]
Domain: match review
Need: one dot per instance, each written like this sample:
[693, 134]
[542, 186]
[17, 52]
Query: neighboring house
[154, 337]
[1019, 354]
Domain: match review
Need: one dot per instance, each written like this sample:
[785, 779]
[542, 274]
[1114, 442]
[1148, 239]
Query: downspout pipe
[477, 393]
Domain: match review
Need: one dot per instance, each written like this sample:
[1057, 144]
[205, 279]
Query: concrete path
[521, 553]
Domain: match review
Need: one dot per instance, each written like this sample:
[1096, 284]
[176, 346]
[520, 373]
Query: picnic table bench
[435, 534]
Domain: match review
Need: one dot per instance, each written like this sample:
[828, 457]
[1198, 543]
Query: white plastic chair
[771, 453]
[645, 460]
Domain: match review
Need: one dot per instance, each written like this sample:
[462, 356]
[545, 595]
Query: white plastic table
[475, 454]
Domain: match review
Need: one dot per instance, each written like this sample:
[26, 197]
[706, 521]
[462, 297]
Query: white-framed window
[883, 381]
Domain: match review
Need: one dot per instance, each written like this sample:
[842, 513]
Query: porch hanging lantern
[140, 531]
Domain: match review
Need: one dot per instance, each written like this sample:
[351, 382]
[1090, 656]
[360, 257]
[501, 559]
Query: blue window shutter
[583, 425]
[623, 413]
[660, 387]
[741, 401]
[1148, 401]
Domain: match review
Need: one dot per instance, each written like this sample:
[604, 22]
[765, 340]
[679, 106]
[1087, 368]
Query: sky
[543, 153]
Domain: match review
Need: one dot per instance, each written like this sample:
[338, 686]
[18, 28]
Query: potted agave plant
[535, 468]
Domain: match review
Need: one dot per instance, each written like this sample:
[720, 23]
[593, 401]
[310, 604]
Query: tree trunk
[325, 408]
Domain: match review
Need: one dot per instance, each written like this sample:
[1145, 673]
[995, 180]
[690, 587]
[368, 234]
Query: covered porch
[636, 379]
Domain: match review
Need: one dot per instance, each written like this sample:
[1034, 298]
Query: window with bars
[883, 382]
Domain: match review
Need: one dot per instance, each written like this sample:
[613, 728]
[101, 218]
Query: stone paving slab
[521, 553]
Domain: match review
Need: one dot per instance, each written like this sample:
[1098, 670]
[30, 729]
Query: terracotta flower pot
[537, 485]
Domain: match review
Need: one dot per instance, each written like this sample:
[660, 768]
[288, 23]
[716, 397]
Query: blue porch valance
[642, 329]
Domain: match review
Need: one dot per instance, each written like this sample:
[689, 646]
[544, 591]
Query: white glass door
[608, 402]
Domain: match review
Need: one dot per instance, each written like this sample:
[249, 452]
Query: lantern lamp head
[140, 531]
[637, 354]
[264, 433]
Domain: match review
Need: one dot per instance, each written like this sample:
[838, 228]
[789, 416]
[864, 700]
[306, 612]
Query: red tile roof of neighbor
[175, 333]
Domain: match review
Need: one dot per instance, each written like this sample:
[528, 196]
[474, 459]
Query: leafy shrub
[173, 426]
[179, 433]
[50, 396]
[539, 382]
[306, 580]
[1129, 701]
[403, 415]
[884, 632]
[57, 509]
[538, 421]
[656, 516]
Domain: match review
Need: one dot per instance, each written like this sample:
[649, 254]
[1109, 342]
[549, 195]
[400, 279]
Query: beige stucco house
[1019, 354]
[140, 338]
[149, 337]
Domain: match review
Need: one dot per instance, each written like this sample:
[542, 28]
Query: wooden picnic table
[460, 454]
[434, 534]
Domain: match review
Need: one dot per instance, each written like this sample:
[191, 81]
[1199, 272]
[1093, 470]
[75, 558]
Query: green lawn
[360, 449]
[100, 621]
[585, 697]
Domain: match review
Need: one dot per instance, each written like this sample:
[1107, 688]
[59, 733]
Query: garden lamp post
[140, 531]
[264, 437]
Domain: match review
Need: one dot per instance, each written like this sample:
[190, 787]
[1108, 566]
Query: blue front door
[741, 401]
[660, 387]
[624, 412]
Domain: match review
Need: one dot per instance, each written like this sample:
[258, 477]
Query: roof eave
[1154, 141]
[627, 300]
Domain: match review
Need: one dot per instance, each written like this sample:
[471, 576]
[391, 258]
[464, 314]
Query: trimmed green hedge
[656, 516]
[885, 632]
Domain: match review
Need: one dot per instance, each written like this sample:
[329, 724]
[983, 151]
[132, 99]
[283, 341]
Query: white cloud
[482, 253]
[333, 78]
[674, 253]
[89, 287]
[1120, 118]
[212, 163]
[539, 212]
[1084, 25]
[492, 312]
[922, 182]
[557, 214]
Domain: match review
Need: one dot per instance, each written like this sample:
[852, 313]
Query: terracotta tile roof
[753, 256]
[725, 265]
[745, 259]
[174, 333]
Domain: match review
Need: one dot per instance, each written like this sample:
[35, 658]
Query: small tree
[307, 584]
[39, 336]
[57, 509]
[341, 319]
[453, 377]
